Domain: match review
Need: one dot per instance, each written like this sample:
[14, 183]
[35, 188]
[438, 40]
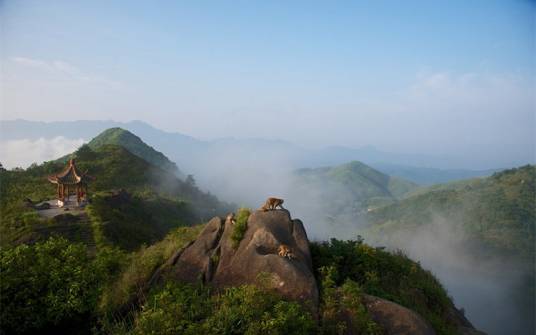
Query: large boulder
[464, 326]
[213, 260]
[396, 319]
[195, 261]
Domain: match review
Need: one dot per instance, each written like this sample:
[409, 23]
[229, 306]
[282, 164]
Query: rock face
[212, 258]
[258, 260]
[464, 326]
[396, 319]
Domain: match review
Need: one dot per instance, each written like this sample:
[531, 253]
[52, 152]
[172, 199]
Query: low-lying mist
[248, 180]
[23, 152]
[490, 289]
[494, 291]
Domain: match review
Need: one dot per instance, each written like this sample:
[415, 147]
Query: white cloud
[62, 70]
[22, 153]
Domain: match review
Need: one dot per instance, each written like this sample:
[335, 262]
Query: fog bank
[492, 290]
[24, 152]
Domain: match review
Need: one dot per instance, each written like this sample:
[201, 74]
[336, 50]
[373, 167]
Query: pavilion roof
[70, 176]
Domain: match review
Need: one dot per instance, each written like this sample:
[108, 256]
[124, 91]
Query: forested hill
[131, 142]
[499, 211]
[349, 189]
[365, 181]
[164, 200]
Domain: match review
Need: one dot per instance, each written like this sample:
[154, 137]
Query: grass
[140, 267]
[240, 227]
[187, 309]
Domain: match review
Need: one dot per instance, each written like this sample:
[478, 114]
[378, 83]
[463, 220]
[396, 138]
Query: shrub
[45, 284]
[140, 266]
[187, 309]
[176, 309]
[360, 319]
[240, 227]
[391, 276]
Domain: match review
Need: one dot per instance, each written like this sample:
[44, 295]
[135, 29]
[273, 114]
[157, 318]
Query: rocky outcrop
[212, 258]
[196, 262]
[396, 319]
[463, 325]
[258, 259]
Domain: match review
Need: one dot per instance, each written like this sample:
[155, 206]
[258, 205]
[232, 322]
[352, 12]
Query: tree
[85, 153]
[45, 284]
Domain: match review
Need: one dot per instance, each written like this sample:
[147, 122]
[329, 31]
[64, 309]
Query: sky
[432, 77]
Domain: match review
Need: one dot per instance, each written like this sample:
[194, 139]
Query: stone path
[70, 207]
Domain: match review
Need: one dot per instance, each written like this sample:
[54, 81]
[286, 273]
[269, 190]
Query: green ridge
[135, 145]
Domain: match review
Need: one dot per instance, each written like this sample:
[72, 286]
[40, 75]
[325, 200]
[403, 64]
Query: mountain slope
[165, 201]
[334, 200]
[365, 185]
[498, 210]
[478, 236]
[58, 287]
[429, 176]
[135, 145]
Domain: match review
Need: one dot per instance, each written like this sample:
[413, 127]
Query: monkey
[230, 219]
[272, 203]
[284, 251]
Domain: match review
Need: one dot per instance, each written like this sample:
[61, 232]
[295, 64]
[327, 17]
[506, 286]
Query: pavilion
[68, 180]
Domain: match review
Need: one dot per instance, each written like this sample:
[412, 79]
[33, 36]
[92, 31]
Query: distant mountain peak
[135, 145]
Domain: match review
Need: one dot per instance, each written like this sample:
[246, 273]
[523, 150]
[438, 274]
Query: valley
[139, 196]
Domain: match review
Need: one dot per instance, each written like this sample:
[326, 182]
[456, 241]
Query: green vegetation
[56, 285]
[186, 309]
[131, 142]
[341, 309]
[498, 211]
[240, 226]
[360, 179]
[129, 221]
[140, 215]
[378, 272]
[157, 200]
[348, 191]
[50, 284]
[140, 266]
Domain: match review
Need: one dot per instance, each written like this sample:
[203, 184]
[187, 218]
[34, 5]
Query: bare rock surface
[396, 319]
[212, 258]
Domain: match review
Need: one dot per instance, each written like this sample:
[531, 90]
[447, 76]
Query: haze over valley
[268, 168]
[450, 228]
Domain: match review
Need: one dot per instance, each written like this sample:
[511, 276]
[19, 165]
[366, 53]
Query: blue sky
[444, 77]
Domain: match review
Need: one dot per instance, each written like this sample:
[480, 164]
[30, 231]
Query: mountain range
[192, 155]
[469, 224]
[138, 239]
